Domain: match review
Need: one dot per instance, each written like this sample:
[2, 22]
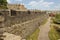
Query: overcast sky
[38, 4]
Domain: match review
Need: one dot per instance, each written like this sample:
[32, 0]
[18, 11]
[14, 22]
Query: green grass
[44, 22]
[53, 34]
[34, 36]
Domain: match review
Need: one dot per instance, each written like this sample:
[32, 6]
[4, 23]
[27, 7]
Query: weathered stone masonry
[22, 23]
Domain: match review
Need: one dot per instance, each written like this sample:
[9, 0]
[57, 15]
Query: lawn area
[34, 36]
[53, 34]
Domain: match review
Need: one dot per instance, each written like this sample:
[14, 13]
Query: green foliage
[57, 16]
[57, 27]
[57, 19]
[3, 4]
[34, 36]
[53, 34]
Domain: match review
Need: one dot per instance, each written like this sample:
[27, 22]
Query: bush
[53, 34]
[57, 28]
[57, 19]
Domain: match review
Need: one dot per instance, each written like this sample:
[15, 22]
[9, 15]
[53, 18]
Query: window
[13, 13]
[28, 12]
[1, 14]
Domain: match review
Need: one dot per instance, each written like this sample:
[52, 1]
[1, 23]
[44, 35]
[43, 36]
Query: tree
[3, 4]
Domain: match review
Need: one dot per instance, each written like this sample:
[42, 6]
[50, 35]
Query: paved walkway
[44, 29]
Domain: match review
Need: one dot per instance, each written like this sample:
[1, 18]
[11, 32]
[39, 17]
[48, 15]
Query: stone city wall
[23, 23]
